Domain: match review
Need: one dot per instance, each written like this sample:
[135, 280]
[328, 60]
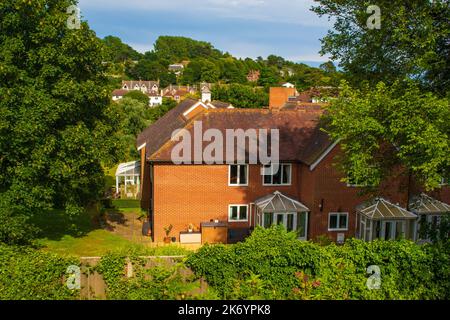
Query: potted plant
[167, 230]
[191, 227]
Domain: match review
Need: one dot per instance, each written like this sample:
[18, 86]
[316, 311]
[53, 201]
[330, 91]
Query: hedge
[273, 264]
[30, 274]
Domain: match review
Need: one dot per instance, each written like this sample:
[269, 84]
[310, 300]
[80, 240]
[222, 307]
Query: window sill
[332, 230]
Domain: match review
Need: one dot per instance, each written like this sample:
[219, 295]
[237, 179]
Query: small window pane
[242, 174]
[286, 174]
[267, 178]
[277, 176]
[333, 221]
[234, 213]
[290, 222]
[343, 221]
[301, 224]
[233, 174]
[268, 220]
[243, 213]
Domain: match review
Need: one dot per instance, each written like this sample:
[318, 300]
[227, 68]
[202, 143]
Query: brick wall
[322, 186]
[278, 96]
[198, 193]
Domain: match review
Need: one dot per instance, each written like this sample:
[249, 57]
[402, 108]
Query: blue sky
[245, 28]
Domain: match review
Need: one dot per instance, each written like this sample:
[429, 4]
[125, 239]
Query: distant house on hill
[288, 85]
[253, 75]
[150, 88]
[205, 89]
[178, 93]
[176, 68]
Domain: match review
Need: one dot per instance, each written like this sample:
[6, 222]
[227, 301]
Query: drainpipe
[151, 215]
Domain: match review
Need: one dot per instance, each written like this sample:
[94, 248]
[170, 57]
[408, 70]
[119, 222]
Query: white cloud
[141, 47]
[287, 11]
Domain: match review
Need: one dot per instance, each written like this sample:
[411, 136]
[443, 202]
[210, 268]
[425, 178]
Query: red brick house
[306, 194]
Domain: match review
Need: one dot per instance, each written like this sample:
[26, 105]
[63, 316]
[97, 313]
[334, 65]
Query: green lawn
[82, 235]
[94, 243]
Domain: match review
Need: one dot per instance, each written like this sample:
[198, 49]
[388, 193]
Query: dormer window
[125, 87]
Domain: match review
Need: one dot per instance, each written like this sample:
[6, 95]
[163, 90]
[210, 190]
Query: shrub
[273, 264]
[26, 273]
[159, 281]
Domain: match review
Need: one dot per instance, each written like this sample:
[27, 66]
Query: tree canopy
[386, 128]
[412, 41]
[56, 125]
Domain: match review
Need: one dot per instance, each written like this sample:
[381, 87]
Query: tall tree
[391, 127]
[413, 40]
[119, 51]
[55, 129]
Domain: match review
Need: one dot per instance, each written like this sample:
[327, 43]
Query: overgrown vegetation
[204, 63]
[56, 127]
[273, 264]
[26, 273]
[151, 280]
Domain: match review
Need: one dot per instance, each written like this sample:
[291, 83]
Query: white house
[288, 85]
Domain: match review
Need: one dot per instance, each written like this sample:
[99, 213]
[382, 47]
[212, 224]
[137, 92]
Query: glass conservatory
[128, 179]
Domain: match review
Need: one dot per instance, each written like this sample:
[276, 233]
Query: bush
[26, 273]
[161, 281]
[273, 264]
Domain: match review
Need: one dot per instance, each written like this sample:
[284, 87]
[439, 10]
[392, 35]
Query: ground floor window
[238, 212]
[292, 221]
[382, 229]
[338, 221]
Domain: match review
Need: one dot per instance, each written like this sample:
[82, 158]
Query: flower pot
[167, 239]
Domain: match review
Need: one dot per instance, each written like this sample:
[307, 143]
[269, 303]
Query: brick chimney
[278, 97]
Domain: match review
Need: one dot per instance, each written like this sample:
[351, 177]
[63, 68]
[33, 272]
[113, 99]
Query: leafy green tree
[138, 96]
[166, 79]
[146, 70]
[389, 127]
[176, 49]
[241, 96]
[134, 118]
[153, 114]
[119, 51]
[269, 77]
[412, 41]
[56, 125]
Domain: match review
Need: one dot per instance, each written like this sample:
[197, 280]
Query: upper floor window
[338, 221]
[280, 177]
[238, 175]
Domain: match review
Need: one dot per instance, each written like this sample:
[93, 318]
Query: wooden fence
[93, 286]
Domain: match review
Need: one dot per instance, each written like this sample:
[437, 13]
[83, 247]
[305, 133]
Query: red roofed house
[150, 88]
[305, 195]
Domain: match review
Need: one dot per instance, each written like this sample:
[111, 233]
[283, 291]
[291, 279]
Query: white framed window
[338, 221]
[238, 175]
[238, 212]
[282, 177]
[444, 181]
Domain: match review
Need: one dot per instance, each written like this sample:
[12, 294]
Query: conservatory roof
[278, 202]
[424, 204]
[381, 209]
[132, 168]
